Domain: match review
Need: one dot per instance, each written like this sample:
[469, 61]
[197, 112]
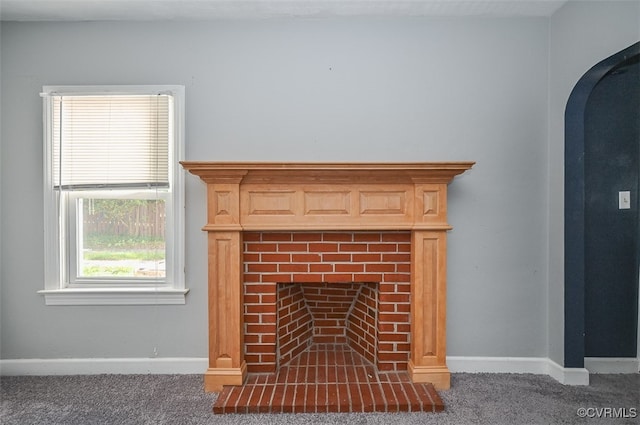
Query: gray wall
[335, 90]
[581, 34]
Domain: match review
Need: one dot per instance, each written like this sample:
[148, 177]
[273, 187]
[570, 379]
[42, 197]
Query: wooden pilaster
[428, 361]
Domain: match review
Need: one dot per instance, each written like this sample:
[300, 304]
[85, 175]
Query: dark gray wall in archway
[612, 146]
[575, 220]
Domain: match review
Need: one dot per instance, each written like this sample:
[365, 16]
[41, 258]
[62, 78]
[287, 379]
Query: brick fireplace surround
[326, 253]
[329, 288]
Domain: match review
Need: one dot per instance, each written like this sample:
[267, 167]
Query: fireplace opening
[327, 314]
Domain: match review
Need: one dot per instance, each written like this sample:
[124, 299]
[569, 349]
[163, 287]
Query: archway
[575, 201]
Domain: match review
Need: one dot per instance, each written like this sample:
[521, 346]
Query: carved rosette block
[325, 197]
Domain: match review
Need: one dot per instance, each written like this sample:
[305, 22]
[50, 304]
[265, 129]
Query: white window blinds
[111, 141]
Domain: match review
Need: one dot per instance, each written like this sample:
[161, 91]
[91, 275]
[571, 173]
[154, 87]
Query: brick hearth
[328, 378]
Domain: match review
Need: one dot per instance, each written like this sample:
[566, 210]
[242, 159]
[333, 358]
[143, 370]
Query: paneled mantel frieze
[305, 196]
[326, 196]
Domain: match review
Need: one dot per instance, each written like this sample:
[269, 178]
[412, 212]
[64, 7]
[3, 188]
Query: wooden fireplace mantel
[267, 196]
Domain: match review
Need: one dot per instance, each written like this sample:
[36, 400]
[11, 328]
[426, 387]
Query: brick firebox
[248, 199]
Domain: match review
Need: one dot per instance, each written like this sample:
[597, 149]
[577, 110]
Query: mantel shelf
[327, 172]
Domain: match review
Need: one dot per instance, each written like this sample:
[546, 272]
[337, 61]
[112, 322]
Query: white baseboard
[568, 375]
[612, 365]
[195, 365]
[534, 365]
[126, 366]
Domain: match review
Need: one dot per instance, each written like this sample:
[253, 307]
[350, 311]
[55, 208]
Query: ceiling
[155, 10]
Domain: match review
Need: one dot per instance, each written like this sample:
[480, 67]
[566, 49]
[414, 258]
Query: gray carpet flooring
[179, 399]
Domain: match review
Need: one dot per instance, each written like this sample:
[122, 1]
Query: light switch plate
[624, 200]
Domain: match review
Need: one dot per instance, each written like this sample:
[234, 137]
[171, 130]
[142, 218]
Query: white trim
[534, 365]
[114, 296]
[568, 375]
[612, 364]
[115, 366]
[196, 365]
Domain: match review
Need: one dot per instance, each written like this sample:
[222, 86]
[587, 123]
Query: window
[113, 195]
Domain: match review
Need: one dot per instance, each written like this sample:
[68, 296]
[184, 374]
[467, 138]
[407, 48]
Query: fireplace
[371, 237]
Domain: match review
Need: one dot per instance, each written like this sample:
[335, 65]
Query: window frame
[61, 286]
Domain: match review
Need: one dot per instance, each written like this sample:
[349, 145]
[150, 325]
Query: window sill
[114, 296]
